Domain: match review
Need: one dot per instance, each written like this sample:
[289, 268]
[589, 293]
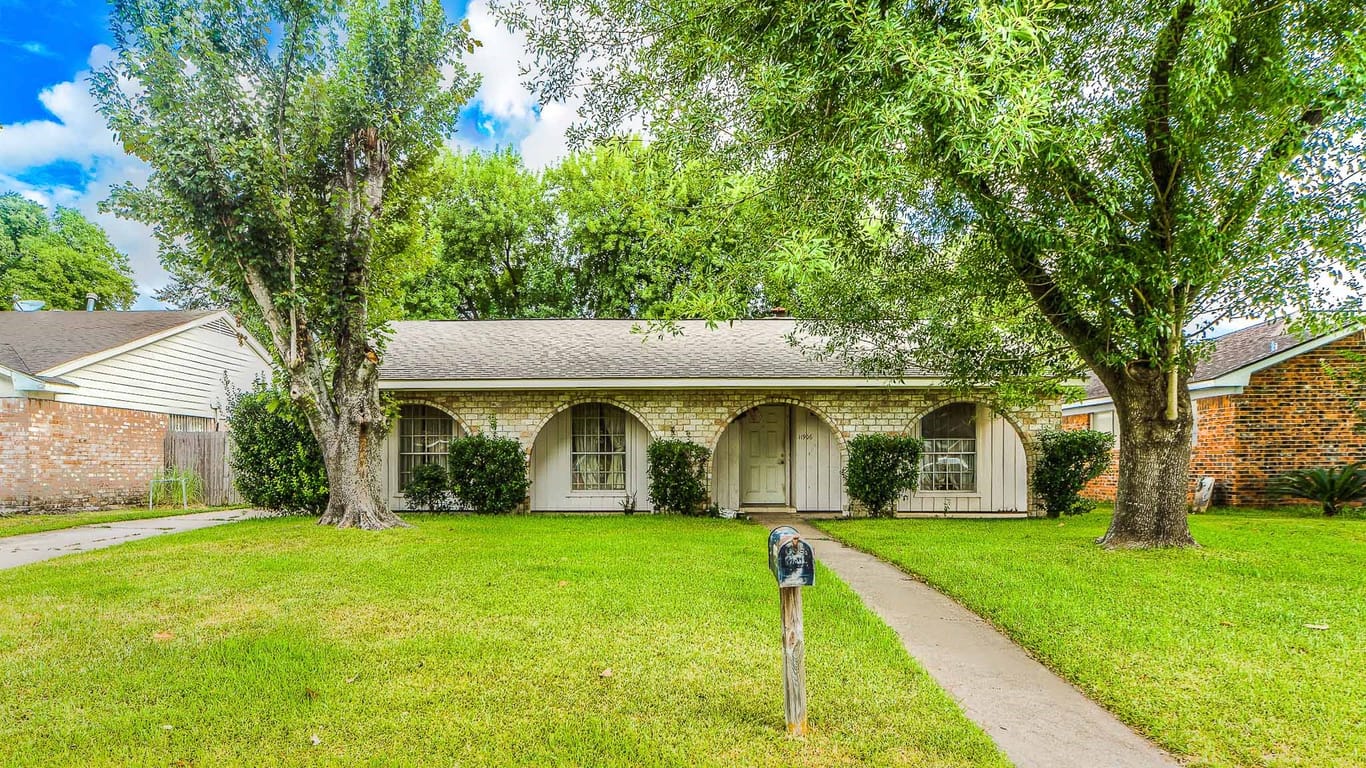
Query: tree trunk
[1154, 462]
[351, 452]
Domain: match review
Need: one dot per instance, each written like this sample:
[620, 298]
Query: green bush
[430, 489]
[1331, 488]
[275, 459]
[678, 476]
[1068, 460]
[488, 473]
[881, 468]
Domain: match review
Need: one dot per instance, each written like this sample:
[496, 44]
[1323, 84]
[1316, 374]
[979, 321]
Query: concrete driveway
[35, 547]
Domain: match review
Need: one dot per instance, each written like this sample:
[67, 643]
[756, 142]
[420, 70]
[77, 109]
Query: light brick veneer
[58, 456]
[701, 416]
[1294, 415]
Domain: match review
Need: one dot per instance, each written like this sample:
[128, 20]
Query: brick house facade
[1272, 403]
[87, 399]
[529, 376]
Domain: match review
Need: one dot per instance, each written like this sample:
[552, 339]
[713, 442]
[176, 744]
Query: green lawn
[1208, 651]
[466, 641]
[14, 525]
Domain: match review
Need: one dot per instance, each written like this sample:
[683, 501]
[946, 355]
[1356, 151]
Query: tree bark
[1154, 461]
[351, 453]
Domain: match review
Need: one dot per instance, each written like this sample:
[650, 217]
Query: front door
[763, 468]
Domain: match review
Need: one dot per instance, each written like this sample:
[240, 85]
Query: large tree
[1127, 172]
[59, 258]
[493, 228]
[281, 135]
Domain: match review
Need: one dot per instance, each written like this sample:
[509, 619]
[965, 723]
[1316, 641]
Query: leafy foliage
[430, 488]
[488, 473]
[1074, 183]
[1330, 487]
[276, 462]
[678, 476]
[881, 468]
[283, 139]
[1068, 460]
[59, 258]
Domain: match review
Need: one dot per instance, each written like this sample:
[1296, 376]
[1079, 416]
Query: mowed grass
[14, 525]
[466, 641]
[1209, 651]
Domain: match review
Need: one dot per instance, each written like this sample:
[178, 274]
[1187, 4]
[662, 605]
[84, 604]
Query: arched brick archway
[815, 473]
[566, 405]
[1027, 439]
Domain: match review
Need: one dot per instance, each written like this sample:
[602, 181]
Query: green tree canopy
[281, 138]
[59, 258]
[1110, 176]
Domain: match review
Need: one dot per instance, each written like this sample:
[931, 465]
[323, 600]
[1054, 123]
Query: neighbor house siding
[1297, 414]
[180, 374]
[704, 415]
[78, 456]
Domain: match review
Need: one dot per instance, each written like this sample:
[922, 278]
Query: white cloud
[77, 134]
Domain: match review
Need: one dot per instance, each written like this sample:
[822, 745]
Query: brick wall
[78, 456]
[1295, 415]
[702, 415]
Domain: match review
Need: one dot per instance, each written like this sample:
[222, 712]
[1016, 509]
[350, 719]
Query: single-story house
[585, 397]
[1266, 401]
[86, 399]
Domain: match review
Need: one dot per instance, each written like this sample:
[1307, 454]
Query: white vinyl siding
[552, 470]
[1002, 475]
[180, 374]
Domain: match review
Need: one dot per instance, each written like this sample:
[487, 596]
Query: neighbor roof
[1232, 351]
[33, 342]
[597, 349]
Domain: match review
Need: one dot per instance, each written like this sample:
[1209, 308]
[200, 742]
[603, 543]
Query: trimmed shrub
[488, 473]
[881, 468]
[678, 476]
[430, 489]
[275, 459]
[1331, 488]
[1068, 460]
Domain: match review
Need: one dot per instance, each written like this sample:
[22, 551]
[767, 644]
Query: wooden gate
[205, 454]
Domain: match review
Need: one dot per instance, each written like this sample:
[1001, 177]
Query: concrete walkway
[1038, 719]
[34, 547]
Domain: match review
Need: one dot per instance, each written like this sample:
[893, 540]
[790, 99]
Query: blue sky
[55, 148]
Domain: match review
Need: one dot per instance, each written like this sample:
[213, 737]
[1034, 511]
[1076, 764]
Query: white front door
[763, 456]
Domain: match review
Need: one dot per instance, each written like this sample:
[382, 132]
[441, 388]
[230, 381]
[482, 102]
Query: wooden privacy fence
[205, 454]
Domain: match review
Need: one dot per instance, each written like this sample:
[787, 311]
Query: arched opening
[590, 457]
[973, 461]
[778, 455]
[421, 436]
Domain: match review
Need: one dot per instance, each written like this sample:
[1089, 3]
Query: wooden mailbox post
[790, 560]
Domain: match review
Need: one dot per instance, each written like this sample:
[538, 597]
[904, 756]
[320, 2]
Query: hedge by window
[424, 434]
[598, 453]
[950, 449]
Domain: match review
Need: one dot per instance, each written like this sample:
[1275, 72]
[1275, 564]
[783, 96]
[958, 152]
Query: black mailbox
[790, 558]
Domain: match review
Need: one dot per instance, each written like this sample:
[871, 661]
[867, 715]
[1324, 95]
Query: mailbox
[790, 558]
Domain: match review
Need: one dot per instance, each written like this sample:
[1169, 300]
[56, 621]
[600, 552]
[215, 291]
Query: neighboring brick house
[1266, 401]
[86, 399]
[585, 397]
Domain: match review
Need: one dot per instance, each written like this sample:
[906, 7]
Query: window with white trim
[424, 432]
[598, 448]
[950, 458]
[1105, 421]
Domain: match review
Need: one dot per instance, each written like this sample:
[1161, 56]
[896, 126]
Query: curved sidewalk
[1037, 719]
[35, 547]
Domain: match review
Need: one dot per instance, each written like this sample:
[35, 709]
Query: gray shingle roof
[596, 349]
[33, 342]
[1234, 350]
